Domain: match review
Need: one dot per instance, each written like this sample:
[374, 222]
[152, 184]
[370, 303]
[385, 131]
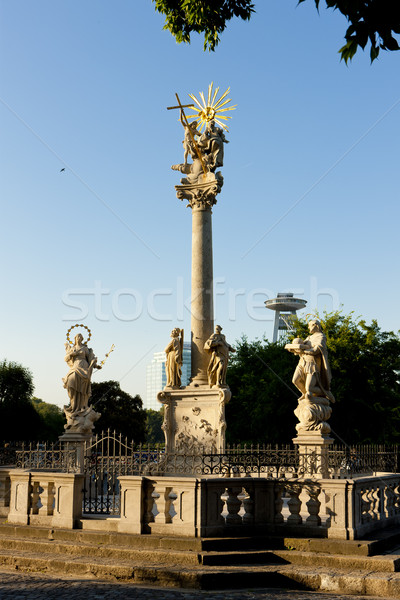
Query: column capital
[201, 195]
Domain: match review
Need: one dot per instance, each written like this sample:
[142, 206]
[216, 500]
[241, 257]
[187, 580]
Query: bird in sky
[63, 169]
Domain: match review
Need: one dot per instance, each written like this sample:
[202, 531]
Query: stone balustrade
[45, 498]
[208, 507]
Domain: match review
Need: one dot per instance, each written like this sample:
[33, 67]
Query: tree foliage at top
[363, 360]
[370, 21]
[210, 17]
[119, 411]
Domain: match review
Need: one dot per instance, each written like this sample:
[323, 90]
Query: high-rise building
[156, 378]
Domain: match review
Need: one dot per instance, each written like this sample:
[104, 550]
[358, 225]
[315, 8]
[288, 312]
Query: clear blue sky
[310, 201]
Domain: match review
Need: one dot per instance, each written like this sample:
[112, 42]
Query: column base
[194, 419]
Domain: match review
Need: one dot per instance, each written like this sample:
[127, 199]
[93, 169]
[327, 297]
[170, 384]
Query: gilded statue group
[210, 143]
[312, 378]
[205, 149]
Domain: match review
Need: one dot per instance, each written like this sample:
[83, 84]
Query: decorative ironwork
[8, 453]
[109, 452]
[363, 460]
[106, 457]
[47, 457]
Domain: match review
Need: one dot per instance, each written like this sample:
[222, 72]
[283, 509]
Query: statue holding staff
[81, 362]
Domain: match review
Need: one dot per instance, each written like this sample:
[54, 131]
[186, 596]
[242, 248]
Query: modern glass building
[156, 378]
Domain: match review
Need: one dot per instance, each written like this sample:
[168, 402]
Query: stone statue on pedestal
[174, 360]
[219, 349]
[313, 378]
[81, 361]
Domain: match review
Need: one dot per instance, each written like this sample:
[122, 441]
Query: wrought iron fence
[351, 461]
[56, 456]
[108, 456]
[8, 453]
[111, 452]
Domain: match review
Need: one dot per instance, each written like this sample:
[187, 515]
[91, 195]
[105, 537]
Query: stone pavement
[16, 585]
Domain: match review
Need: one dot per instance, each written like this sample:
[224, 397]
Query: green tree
[154, 420]
[263, 400]
[364, 382]
[18, 418]
[52, 417]
[370, 21]
[119, 411]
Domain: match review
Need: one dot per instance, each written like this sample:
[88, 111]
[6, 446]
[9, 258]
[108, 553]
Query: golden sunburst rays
[212, 109]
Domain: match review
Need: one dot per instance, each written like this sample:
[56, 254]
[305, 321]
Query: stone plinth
[74, 440]
[313, 450]
[194, 420]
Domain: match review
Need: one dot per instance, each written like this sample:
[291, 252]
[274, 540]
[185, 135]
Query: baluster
[149, 504]
[313, 505]
[36, 503]
[294, 505]
[278, 503]
[170, 511]
[375, 503]
[160, 496]
[365, 503]
[47, 499]
[396, 501]
[3, 494]
[388, 501]
[233, 505]
[51, 499]
[248, 506]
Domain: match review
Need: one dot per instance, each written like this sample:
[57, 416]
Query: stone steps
[282, 576]
[213, 563]
[384, 564]
[316, 545]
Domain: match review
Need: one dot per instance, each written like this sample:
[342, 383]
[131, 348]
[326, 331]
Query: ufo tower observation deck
[285, 307]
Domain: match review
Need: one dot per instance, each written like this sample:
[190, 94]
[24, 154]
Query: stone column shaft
[202, 308]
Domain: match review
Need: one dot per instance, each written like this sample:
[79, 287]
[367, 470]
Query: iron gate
[106, 457]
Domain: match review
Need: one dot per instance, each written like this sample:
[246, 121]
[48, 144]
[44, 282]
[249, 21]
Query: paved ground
[16, 585]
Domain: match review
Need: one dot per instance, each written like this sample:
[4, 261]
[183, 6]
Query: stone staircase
[351, 567]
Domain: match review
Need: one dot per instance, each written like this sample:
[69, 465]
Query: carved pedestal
[313, 450]
[75, 440]
[194, 420]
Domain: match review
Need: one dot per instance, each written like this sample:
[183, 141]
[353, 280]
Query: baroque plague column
[194, 416]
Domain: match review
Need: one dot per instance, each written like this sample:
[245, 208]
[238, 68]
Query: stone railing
[207, 507]
[40, 498]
